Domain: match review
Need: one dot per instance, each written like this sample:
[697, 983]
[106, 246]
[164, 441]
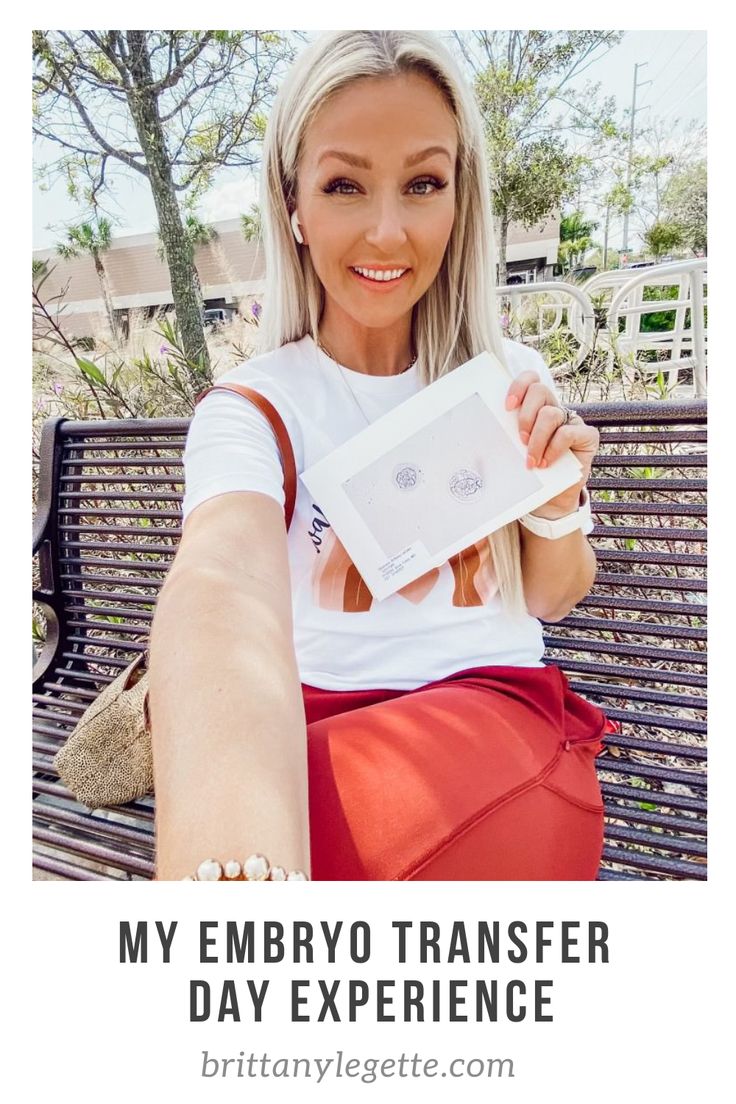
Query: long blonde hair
[456, 318]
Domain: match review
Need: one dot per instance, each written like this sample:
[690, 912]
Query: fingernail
[530, 461]
[524, 438]
[543, 463]
[512, 402]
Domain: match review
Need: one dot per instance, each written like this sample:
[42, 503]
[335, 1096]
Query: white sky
[676, 65]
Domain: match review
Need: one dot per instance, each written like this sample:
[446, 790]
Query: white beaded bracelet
[256, 868]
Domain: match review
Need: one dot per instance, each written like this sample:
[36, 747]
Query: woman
[420, 737]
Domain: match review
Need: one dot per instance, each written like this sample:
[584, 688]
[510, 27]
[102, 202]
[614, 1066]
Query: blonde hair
[456, 318]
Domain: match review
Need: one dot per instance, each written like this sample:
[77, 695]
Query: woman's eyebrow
[363, 163]
[428, 152]
[349, 158]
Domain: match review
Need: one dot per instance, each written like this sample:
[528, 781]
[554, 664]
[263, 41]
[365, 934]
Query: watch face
[466, 485]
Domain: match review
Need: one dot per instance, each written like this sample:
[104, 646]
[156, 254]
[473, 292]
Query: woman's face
[376, 195]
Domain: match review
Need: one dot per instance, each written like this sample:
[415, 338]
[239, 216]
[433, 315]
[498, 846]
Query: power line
[667, 64]
[674, 82]
[685, 98]
[658, 49]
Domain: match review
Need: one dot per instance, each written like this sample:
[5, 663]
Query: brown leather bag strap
[282, 437]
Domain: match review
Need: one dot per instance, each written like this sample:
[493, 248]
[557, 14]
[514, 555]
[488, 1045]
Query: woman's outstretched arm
[227, 718]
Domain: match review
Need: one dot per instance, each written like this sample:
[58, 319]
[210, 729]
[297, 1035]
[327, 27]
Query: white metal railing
[557, 298]
[621, 293]
[685, 341]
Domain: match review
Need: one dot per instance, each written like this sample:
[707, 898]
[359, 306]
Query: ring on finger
[568, 415]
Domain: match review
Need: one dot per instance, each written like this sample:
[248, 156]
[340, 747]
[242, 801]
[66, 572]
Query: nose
[386, 232]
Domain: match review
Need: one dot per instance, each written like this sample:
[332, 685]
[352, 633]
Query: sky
[673, 61]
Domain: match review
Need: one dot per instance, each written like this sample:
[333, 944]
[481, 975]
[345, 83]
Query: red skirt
[486, 775]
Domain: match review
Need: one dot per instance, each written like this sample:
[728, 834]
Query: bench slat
[668, 776]
[654, 720]
[96, 851]
[635, 693]
[669, 821]
[655, 864]
[642, 628]
[64, 870]
[640, 605]
[625, 649]
[665, 676]
[680, 845]
[618, 792]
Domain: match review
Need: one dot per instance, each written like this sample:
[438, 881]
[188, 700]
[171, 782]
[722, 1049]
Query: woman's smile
[380, 279]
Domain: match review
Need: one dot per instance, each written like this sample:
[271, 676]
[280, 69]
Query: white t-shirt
[449, 620]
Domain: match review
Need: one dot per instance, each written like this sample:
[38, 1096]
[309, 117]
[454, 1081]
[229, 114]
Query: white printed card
[439, 472]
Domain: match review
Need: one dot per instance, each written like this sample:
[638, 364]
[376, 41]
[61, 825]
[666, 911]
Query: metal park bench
[107, 528]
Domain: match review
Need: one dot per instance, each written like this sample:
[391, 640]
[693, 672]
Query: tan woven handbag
[107, 759]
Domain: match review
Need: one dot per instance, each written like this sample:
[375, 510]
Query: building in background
[231, 271]
[531, 255]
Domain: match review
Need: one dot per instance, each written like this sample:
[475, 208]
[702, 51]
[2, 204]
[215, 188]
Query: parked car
[581, 273]
[218, 316]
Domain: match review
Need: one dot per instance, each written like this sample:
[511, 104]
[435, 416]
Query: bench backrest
[108, 524]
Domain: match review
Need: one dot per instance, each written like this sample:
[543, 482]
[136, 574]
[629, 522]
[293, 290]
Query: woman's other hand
[543, 430]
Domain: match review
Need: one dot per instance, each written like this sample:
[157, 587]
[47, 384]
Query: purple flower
[58, 389]
[255, 310]
[163, 350]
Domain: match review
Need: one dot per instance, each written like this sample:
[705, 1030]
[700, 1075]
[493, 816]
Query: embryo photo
[463, 469]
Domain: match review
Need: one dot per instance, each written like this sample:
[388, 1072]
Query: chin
[372, 317]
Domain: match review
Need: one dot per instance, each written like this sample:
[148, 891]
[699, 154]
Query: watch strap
[554, 528]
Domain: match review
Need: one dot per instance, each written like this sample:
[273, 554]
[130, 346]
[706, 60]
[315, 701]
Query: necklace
[347, 383]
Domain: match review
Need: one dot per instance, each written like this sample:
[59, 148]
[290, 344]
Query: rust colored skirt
[488, 774]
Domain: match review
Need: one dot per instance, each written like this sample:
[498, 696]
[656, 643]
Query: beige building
[532, 254]
[231, 271]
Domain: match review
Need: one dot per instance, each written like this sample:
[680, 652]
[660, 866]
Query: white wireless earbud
[297, 228]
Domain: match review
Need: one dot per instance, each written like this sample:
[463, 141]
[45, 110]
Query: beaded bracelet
[256, 868]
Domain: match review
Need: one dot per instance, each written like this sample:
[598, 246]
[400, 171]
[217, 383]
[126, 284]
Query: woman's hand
[543, 430]
[556, 573]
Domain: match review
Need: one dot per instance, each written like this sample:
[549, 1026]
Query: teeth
[373, 274]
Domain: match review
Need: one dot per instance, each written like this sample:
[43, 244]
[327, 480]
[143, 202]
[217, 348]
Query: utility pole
[637, 67]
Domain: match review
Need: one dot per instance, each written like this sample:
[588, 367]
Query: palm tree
[40, 268]
[575, 239]
[94, 239]
[251, 224]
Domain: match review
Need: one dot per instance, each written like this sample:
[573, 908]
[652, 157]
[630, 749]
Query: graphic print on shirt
[338, 585]
[319, 523]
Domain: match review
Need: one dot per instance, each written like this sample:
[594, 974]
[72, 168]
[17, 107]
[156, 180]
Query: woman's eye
[427, 185]
[341, 187]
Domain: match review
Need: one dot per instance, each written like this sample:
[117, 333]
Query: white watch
[552, 529]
